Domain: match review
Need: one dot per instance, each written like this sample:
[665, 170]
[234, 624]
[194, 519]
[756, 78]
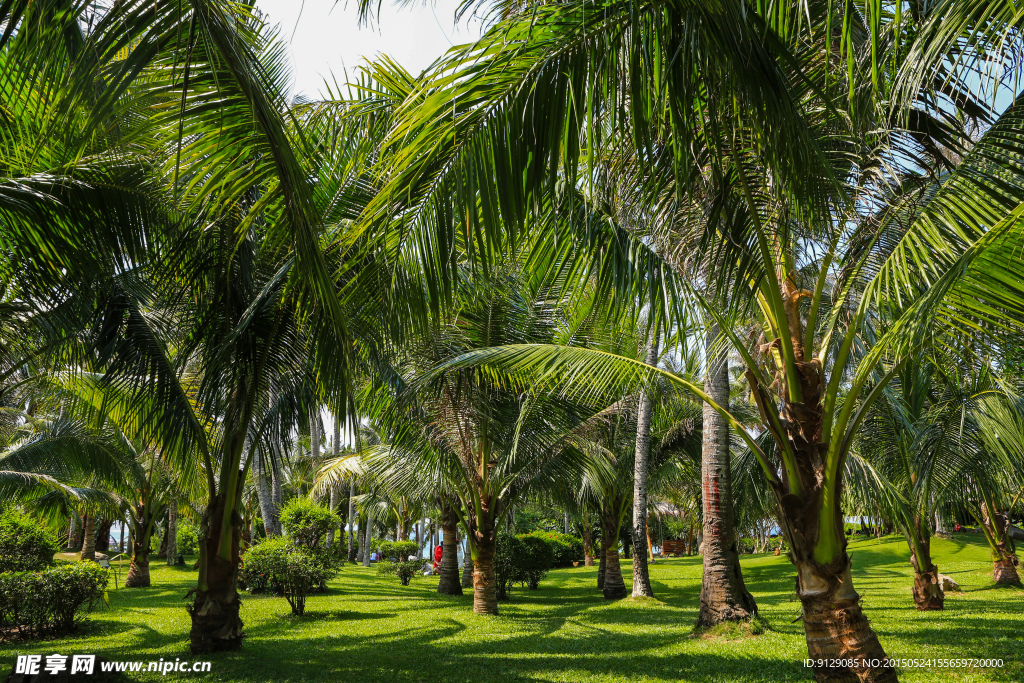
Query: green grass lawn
[369, 628]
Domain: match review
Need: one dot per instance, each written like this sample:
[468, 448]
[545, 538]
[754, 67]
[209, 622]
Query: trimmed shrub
[25, 545]
[307, 523]
[567, 549]
[397, 550]
[187, 539]
[538, 557]
[299, 575]
[508, 555]
[260, 563]
[35, 604]
[269, 567]
[404, 570]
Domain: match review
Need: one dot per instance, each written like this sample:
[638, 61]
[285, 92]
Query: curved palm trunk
[641, 576]
[89, 539]
[449, 583]
[1004, 569]
[723, 595]
[216, 624]
[613, 586]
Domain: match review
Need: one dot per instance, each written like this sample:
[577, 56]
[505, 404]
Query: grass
[369, 628]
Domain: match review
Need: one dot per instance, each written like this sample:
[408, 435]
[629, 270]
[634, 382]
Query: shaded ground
[372, 629]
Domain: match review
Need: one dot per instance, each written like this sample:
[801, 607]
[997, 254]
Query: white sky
[326, 37]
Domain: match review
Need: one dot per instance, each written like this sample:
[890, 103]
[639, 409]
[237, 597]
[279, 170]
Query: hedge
[567, 549]
[25, 546]
[276, 565]
[538, 557]
[35, 604]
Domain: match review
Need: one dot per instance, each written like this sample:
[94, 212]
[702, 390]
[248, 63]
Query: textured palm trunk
[103, 535]
[333, 505]
[835, 626]
[265, 495]
[74, 528]
[352, 520]
[367, 542]
[602, 562]
[723, 595]
[467, 572]
[588, 542]
[641, 575]
[928, 593]
[612, 586]
[1004, 572]
[216, 623]
[448, 572]
[138, 571]
[89, 539]
[485, 592]
[172, 531]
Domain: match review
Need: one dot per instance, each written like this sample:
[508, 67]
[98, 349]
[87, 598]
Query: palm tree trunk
[265, 495]
[333, 505]
[103, 535]
[216, 623]
[73, 530]
[835, 626]
[485, 594]
[448, 572]
[368, 536]
[352, 520]
[641, 576]
[467, 571]
[612, 586]
[723, 595]
[928, 593]
[138, 570]
[588, 542]
[1004, 570]
[89, 539]
[275, 502]
[172, 531]
[603, 559]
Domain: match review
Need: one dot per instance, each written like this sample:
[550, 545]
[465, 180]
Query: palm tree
[723, 595]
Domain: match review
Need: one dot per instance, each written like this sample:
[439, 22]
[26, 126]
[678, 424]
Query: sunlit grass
[369, 628]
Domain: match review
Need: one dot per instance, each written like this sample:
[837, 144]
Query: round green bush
[25, 545]
[307, 523]
[404, 570]
[269, 566]
[538, 557]
[299, 575]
